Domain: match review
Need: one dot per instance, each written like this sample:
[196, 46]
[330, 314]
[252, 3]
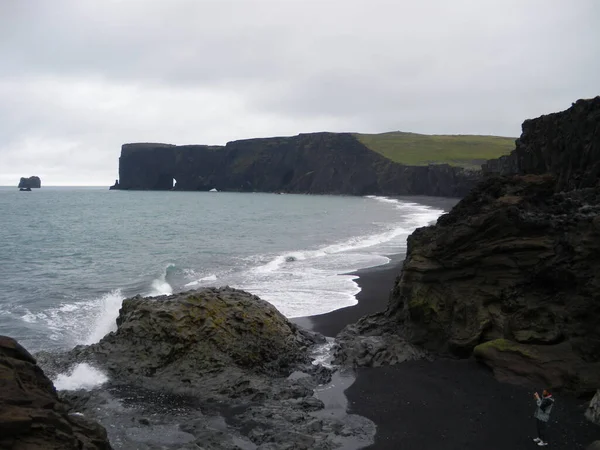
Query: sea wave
[82, 376]
[316, 281]
[161, 285]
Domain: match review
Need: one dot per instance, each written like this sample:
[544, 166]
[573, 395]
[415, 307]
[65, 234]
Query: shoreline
[375, 285]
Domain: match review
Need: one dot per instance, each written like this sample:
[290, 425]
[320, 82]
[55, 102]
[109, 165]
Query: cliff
[563, 144]
[32, 416]
[512, 273]
[31, 182]
[318, 163]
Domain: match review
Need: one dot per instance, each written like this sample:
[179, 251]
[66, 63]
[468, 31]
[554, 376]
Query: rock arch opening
[165, 182]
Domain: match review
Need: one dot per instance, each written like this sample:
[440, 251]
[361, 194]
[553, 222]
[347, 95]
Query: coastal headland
[315, 163]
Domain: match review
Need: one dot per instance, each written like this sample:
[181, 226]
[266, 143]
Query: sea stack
[31, 183]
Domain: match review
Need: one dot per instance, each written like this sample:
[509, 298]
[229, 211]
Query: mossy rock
[203, 331]
[504, 345]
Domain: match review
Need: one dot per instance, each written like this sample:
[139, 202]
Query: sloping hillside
[468, 151]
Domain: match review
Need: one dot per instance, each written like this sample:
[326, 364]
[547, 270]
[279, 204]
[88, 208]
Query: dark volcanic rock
[31, 182]
[186, 360]
[564, 144]
[593, 412]
[372, 342]
[190, 335]
[515, 265]
[318, 163]
[31, 415]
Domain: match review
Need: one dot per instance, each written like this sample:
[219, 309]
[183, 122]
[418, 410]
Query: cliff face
[31, 182]
[512, 273]
[563, 144]
[318, 163]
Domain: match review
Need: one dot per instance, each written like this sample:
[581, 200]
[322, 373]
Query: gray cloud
[78, 78]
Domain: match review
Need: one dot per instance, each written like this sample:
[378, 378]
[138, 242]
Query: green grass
[468, 151]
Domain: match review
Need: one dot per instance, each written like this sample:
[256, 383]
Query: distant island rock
[31, 183]
[315, 163]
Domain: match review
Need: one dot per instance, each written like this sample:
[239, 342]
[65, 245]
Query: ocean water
[69, 256]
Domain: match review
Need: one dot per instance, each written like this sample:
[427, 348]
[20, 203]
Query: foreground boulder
[31, 414]
[516, 263]
[198, 333]
[191, 359]
[29, 183]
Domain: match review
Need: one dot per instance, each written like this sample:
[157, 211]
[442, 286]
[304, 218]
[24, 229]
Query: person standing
[542, 415]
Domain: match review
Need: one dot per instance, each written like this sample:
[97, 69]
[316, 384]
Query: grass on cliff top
[468, 151]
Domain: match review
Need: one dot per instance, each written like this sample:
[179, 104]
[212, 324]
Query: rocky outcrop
[199, 333]
[318, 163]
[593, 411]
[202, 356]
[372, 342]
[513, 271]
[31, 183]
[564, 144]
[31, 414]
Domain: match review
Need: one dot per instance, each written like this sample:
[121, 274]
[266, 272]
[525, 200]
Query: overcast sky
[79, 78]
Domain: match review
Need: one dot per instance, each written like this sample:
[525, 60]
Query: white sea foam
[322, 354]
[105, 316]
[308, 282]
[202, 280]
[160, 286]
[79, 322]
[82, 376]
[30, 317]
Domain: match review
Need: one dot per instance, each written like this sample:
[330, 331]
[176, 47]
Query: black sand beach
[457, 405]
[375, 284]
[445, 404]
